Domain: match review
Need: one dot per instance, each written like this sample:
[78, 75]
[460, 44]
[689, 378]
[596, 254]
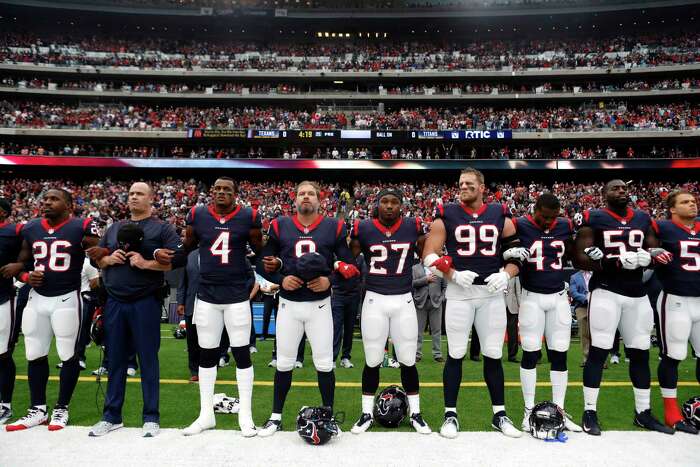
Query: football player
[222, 232]
[611, 242]
[547, 240]
[56, 243]
[389, 243]
[304, 307]
[678, 304]
[10, 243]
[476, 235]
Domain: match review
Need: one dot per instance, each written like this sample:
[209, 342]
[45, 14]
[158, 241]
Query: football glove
[594, 253]
[629, 260]
[464, 278]
[346, 270]
[660, 256]
[497, 282]
[519, 253]
[643, 257]
[442, 264]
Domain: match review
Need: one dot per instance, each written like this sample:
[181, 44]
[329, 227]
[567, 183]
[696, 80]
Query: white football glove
[643, 258]
[497, 282]
[464, 278]
[629, 260]
[519, 253]
[594, 253]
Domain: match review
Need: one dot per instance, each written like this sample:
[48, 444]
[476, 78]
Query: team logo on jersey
[387, 233]
[222, 221]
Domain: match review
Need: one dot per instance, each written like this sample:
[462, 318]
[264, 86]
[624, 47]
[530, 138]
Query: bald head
[140, 200]
[615, 194]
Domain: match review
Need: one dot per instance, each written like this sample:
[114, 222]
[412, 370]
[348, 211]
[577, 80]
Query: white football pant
[679, 320]
[45, 317]
[316, 319]
[546, 315]
[210, 319]
[609, 311]
[386, 316]
[7, 323]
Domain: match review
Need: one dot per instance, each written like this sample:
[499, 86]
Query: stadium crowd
[106, 200]
[403, 152]
[588, 116]
[237, 88]
[651, 49]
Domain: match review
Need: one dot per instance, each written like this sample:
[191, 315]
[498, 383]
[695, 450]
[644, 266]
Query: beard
[306, 209]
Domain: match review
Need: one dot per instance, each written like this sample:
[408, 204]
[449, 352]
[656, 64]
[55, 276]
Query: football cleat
[569, 424]
[362, 424]
[199, 425]
[393, 363]
[450, 427]
[223, 362]
[298, 364]
[273, 363]
[253, 349]
[35, 417]
[615, 359]
[131, 371]
[502, 423]
[5, 414]
[419, 424]
[646, 420]
[526, 420]
[59, 418]
[101, 371]
[270, 428]
[589, 423]
[103, 427]
[685, 427]
[346, 363]
[150, 429]
[248, 429]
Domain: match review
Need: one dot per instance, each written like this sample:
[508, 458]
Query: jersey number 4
[58, 260]
[220, 247]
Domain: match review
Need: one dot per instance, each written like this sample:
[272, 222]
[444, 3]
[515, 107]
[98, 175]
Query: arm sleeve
[342, 251]
[181, 295]
[171, 241]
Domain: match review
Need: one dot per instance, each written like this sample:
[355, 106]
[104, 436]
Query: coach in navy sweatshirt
[136, 253]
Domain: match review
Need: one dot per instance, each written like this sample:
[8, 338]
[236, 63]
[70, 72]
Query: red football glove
[660, 256]
[443, 264]
[347, 270]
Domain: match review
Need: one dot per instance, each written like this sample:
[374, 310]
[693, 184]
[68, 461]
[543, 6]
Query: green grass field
[179, 403]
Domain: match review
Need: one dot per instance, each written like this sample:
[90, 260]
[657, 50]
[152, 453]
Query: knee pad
[242, 357]
[529, 361]
[406, 357]
[598, 355]
[323, 365]
[208, 358]
[374, 356]
[557, 360]
[637, 355]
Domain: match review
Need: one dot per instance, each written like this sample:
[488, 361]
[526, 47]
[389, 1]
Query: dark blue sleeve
[172, 241]
[182, 289]
[342, 251]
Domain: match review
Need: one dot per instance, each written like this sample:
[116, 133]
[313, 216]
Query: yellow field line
[348, 384]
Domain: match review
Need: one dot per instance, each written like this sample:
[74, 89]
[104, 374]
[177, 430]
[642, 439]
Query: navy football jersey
[389, 253]
[10, 244]
[289, 240]
[474, 237]
[615, 235]
[223, 268]
[682, 275]
[58, 251]
[543, 272]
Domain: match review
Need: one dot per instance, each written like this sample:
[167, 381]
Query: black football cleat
[590, 424]
[685, 427]
[647, 421]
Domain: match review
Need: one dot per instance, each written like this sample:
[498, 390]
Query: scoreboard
[357, 136]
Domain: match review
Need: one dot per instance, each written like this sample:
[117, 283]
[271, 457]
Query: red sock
[672, 413]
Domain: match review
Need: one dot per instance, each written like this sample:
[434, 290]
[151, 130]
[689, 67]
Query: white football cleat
[248, 429]
[393, 363]
[419, 424]
[526, 421]
[570, 425]
[615, 359]
[346, 363]
[131, 371]
[450, 427]
[101, 371]
[502, 423]
[253, 349]
[59, 418]
[150, 429]
[270, 428]
[5, 414]
[273, 363]
[35, 417]
[362, 424]
[298, 365]
[200, 425]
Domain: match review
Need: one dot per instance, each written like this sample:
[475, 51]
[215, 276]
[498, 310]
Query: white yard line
[125, 447]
